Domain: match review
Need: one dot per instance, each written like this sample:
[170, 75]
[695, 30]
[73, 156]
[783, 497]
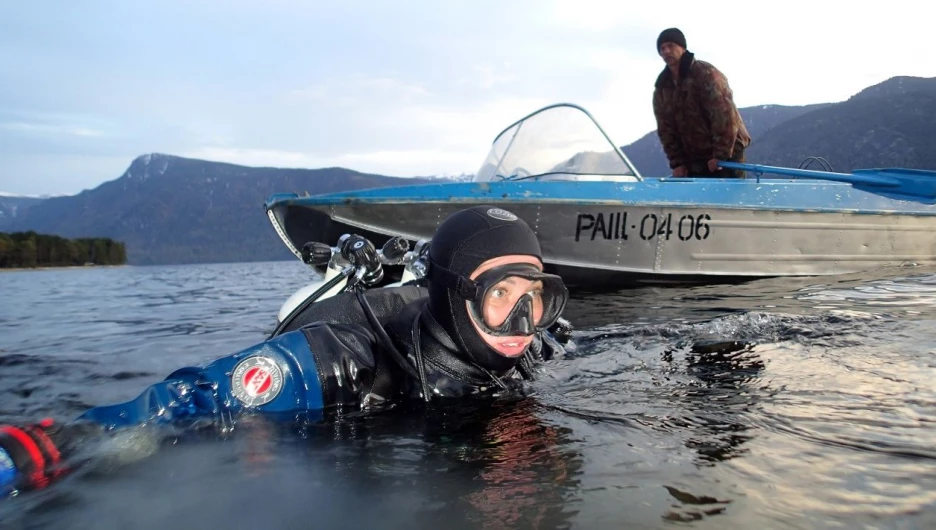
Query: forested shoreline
[29, 250]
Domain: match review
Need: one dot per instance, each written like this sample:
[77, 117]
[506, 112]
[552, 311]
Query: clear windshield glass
[560, 142]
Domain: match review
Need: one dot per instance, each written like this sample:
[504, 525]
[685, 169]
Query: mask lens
[501, 299]
[516, 300]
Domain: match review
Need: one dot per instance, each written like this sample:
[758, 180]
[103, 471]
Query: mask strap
[467, 289]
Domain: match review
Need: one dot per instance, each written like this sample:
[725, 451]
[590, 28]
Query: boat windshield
[559, 142]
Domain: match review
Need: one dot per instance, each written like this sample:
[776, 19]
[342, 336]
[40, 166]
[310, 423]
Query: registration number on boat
[618, 225]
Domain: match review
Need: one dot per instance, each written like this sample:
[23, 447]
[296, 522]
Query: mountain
[897, 86]
[647, 152]
[887, 125]
[168, 209]
[13, 206]
[592, 162]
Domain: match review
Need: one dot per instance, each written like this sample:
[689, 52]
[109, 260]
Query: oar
[915, 183]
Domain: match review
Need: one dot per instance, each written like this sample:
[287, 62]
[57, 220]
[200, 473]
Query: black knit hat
[464, 241]
[671, 35]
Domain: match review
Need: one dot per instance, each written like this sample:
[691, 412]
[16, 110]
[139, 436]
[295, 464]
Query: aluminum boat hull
[656, 230]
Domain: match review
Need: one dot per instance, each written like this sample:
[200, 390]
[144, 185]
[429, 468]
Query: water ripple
[797, 403]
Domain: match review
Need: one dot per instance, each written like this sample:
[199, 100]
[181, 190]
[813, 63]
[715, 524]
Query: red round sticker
[256, 381]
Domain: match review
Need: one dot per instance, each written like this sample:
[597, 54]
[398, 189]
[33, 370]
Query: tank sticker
[257, 381]
[614, 225]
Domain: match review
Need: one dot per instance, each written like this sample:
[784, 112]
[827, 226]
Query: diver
[481, 331]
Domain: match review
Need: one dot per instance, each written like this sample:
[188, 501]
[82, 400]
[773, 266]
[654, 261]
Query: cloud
[33, 123]
[420, 140]
[359, 89]
[55, 173]
[487, 76]
[50, 129]
[410, 88]
[403, 163]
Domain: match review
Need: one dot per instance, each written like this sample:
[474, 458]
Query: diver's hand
[681, 171]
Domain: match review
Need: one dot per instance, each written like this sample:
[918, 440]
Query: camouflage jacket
[697, 119]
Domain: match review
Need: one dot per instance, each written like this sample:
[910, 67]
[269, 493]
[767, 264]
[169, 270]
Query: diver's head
[487, 288]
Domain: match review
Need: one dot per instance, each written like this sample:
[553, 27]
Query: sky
[400, 87]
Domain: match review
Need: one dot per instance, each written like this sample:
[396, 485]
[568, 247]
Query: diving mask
[514, 300]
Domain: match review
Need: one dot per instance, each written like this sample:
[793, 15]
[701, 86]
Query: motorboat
[601, 223]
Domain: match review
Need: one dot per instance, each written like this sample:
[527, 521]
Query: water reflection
[728, 375]
[775, 403]
[495, 465]
[697, 385]
[523, 470]
[910, 291]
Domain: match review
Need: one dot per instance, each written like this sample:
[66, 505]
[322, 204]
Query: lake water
[782, 403]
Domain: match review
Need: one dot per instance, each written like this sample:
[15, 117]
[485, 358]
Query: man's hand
[681, 171]
[713, 165]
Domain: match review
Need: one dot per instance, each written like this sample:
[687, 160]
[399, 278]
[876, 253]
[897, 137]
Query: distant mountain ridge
[647, 152]
[12, 206]
[897, 86]
[169, 209]
[887, 124]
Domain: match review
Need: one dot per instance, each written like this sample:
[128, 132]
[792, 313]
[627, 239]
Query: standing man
[697, 120]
